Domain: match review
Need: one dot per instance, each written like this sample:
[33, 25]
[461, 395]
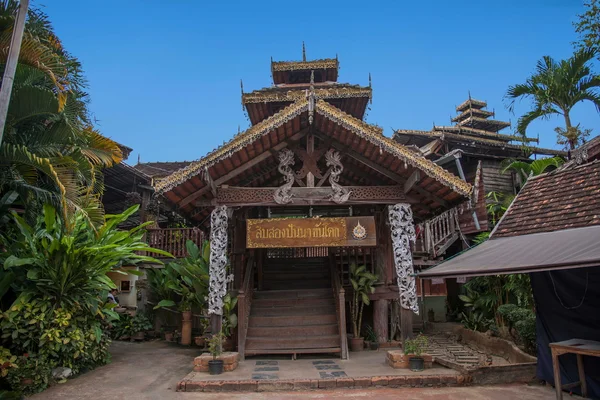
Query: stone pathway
[266, 370]
[328, 369]
[445, 347]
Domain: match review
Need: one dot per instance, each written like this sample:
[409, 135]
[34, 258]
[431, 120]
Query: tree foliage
[50, 153]
[555, 88]
[588, 26]
[525, 169]
[362, 286]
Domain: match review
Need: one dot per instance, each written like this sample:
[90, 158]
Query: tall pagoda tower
[292, 80]
[472, 114]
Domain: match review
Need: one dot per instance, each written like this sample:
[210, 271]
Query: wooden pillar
[215, 323]
[406, 324]
[380, 319]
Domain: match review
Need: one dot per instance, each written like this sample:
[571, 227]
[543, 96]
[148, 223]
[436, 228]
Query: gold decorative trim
[266, 96]
[374, 134]
[238, 142]
[326, 63]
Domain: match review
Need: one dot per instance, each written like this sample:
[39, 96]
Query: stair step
[296, 342]
[272, 303]
[295, 351]
[293, 331]
[291, 311]
[293, 293]
[298, 320]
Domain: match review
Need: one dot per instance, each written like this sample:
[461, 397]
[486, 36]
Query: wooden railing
[244, 304]
[340, 308]
[434, 236]
[173, 239]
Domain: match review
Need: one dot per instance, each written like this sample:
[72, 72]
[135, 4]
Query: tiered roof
[475, 131]
[292, 79]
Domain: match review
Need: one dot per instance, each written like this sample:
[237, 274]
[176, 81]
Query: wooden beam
[210, 183]
[263, 196]
[414, 178]
[244, 167]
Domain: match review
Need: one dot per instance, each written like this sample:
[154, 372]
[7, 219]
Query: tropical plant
[50, 152]
[525, 169]
[230, 320]
[185, 281]
[415, 346]
[7, 361]
[69, 267]
[140, 323]
[555, 88]
[362, 284]
[370, 334]
[475, 321]
[497, 203]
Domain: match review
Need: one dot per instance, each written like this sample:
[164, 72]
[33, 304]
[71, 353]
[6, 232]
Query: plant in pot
[229, 320]
[362, 284]
[200, 341]
[431, 315]
[215, 367]
[371, 338]
[187, 280]
[414, 349]
[139, 325]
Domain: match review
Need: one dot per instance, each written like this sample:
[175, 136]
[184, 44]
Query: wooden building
[307, 190]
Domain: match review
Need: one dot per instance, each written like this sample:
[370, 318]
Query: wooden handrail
[244, 304]
[340, 306]
[434, 233]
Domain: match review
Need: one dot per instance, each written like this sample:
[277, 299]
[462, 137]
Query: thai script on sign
[300, 232]
[295, 232]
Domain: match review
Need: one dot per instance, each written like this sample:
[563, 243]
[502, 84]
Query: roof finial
[469, 95]
[139, 155]
[303, 51]
[369, 79]
[239, 129]
[242, 85]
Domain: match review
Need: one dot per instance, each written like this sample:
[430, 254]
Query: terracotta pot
[187, 315]
[138, 336]
[357, 344]
[186, 328]
[200, 341]
[169, 336]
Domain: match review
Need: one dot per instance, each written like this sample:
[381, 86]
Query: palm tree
[51, 153]
[525, 169]
[555, 88]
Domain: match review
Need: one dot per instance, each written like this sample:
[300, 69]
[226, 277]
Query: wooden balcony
[173, 239]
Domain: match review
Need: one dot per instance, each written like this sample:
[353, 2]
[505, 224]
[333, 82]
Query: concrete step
[295, 351]
[293, 331]
[292, 343]
[267, 285]
[298, 320]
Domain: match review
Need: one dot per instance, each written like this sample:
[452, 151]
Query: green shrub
[522, 320]
[415, 346]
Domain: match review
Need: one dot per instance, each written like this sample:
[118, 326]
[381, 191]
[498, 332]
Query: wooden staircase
[296, 311]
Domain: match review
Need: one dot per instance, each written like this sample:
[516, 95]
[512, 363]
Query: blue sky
[164, 76]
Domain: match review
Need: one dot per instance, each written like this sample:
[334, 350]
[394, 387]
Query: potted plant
[139, 325]
[215, 367]
[204, 325]
[187, 280]
[414, 349]
[371, 338]
[362, 284]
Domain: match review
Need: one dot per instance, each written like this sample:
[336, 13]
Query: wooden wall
[494, 180]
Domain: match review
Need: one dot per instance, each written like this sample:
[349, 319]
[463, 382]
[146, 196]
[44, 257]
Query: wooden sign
[310, 232]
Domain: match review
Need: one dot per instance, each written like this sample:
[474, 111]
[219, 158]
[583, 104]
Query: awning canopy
[564, 249]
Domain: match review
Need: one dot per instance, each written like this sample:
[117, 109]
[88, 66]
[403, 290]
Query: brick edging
[309, 384]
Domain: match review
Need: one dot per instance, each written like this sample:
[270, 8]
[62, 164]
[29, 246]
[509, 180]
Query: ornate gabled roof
[322, 70]
[466, 131]
[473, 111]
[239, 141]
[371, 133]
[374, 134]
[291, 93]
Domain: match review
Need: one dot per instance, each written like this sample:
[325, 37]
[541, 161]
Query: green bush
[522, 320]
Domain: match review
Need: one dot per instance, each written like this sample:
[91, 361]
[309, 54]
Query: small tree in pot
[215, 367]
[362, 284]
[414, 348]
